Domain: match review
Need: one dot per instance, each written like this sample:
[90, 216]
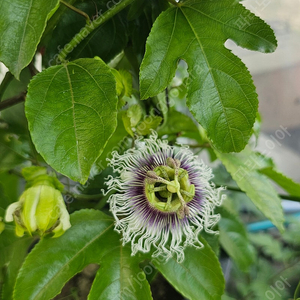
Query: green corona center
[168, 188]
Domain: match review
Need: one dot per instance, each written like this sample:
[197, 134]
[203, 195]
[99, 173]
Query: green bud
[40, 209]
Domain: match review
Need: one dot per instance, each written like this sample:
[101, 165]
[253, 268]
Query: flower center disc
[168, 189]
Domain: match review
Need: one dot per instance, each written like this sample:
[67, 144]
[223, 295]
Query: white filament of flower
[162, 198]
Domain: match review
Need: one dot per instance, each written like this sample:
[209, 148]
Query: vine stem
[89, 28]
[80, 12]
[285, 197]
[83, 196]
[12, 101]
[5, 82]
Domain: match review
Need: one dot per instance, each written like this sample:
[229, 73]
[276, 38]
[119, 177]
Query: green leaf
[13, 252]
[148, 123]
[117, 142]
[72, 112]
[178, 122]
[243, 168]
[285, 182]
[233, 238]
[13, 151]
[297, 292]
[199, 276]
[213, 241]
[91, 239]
[269, 245]
[9, 189]
[21, 26]
[142, 15]
[124, 82]
[120, 276]
[221, 94]
[131, 117]
[226, 297]
[291, 236]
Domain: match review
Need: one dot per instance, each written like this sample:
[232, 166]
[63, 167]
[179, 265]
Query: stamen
[186, 193]
[164, 173]
[160, 188]
[152, 178]
[182, 174]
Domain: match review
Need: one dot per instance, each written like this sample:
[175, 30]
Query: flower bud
[40, 209]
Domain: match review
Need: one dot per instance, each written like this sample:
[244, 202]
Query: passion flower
[162, 197]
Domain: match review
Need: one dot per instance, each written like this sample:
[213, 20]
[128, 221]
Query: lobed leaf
[221, 94]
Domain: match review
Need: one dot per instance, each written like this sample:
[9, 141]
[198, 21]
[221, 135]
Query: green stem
[80, 12]
[205, 145]
[84, 197]
[285, 197]
[5, 82]
[15, 172]
[89, 28]
[12, 101]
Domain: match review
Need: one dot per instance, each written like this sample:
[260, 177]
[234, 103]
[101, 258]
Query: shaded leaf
[9, 189]
[91, 239]
[148, 123]
[13, 252]
[199, 276]
[120, 276]
[178, 122]
[75, 107]
[124, 82]
[106, 41]
[243, 168]
[268, 244]
[13, 150]
[142, 15]
[131, 117]
[234, 239]
[221, 94]
[21, 25]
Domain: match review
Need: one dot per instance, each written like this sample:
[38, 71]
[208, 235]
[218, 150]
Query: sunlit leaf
[72, 112]
[221, 94]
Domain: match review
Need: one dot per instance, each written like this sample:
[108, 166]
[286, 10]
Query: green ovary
[171, 190]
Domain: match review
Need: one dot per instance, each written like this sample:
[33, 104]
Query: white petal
[10, 211]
